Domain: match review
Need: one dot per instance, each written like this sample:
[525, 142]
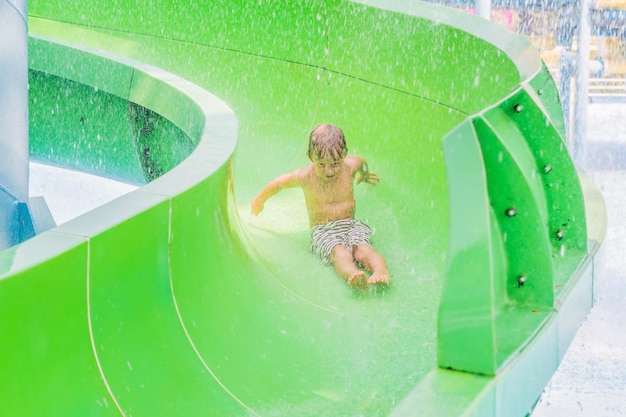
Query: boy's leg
[374, 262]
[343, 262]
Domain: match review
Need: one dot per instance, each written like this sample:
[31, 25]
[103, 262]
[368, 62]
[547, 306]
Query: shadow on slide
[175, 300]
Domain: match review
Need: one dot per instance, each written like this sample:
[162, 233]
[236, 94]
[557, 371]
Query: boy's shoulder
[303, 173]
[305, 170]
[353, 161]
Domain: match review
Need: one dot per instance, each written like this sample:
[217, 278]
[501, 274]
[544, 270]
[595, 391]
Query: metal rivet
[540, 91]
[521, 280]
[547, 169]
[518, 108]
[511, 212]
[559, 234]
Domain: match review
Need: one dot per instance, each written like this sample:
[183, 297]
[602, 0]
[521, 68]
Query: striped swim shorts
[346, 232]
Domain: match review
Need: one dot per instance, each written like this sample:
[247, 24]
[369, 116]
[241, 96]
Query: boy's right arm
[274, 187]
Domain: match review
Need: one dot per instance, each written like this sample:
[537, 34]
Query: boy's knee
[362, 251]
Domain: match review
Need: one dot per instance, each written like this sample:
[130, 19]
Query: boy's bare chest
[332, 192]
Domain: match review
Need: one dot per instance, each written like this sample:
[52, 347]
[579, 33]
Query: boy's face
[327, 168]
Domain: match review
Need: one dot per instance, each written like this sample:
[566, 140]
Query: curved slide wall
[173, 300]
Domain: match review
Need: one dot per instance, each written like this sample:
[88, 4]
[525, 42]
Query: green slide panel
[174, 300]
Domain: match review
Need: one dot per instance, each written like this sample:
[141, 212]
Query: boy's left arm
[364, 174]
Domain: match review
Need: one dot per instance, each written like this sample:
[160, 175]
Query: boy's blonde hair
[327, 141]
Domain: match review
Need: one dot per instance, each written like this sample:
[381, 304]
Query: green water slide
[174, 300]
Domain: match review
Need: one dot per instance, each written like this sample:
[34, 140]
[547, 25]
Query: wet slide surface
[279, 330]
[259, 326]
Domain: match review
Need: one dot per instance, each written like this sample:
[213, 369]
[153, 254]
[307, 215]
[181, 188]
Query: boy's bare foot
[357, 280]
[378, 278]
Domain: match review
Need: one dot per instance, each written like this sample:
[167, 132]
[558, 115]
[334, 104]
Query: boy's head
[327, 141]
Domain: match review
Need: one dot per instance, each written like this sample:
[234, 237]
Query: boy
[327, 183]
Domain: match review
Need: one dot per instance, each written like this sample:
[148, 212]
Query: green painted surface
[530, 231]
[184, 304]
[47, 357]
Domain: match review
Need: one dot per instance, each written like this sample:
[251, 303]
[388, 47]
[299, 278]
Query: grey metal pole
[582, 86]
[483, 8]
[14, 97]
[21, 217]
[569, 15]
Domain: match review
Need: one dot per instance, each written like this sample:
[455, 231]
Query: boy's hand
[256, 206]
[368, 178]
[364, 174]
